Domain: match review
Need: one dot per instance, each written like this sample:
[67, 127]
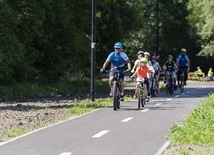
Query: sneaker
[147, 99]
[158, 90]
[121, 98]
[110, 94]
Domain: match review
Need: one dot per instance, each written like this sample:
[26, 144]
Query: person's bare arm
[129, 64]
[106, 64]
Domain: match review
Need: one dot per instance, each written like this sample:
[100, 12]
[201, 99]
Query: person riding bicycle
[140, 54]
[183, 63]
[149, 64]
[170, 66]
[143, 72]
[118, 59]
[156, 66]
[147, 55]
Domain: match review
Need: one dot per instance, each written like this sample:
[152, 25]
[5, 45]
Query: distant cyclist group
[146, 67]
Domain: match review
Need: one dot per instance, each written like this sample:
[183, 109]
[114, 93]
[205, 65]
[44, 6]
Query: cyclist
[147, 55]
[170, 66]
[149, 64]
[143, 72]
[183, 62]
[140, 54]
[156, 66]
[118, 59]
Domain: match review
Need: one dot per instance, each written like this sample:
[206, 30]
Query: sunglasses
[117, 48]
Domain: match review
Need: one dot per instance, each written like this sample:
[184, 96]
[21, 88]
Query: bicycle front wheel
[139, 97]
[115, 96]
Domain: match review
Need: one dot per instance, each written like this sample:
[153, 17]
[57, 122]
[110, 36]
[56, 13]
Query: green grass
[63, 87]
[198, 128]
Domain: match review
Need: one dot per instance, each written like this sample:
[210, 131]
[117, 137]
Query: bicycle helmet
[143, 60]
[183, 50]
[140, 52]
[170, 56]
[147, 53]
[154, 57]
[118, 45]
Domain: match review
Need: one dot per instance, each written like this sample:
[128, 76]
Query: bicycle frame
[182, 80]
[152, 85]
[116, 88]
[170, 87]
[141, 94]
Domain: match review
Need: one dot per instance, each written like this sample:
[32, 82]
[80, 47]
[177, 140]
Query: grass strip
[198, 128]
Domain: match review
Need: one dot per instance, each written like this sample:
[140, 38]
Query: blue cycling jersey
[117, 60]
[182, 60]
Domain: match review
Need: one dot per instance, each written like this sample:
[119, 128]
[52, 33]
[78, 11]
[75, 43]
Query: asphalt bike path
[105, 131]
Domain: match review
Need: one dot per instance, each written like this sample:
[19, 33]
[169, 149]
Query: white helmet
[147, 53]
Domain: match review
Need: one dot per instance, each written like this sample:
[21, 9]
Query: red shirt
[142, 71]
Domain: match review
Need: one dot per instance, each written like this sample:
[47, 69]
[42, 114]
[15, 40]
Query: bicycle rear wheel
[143, 99]
[182, 84]
[115, 96]
[171, 89]
[152, 89]
[118, 101]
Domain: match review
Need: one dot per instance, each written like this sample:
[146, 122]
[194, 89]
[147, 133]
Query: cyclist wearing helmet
[183, 62]
[170, 66]
[156, 66]
[140, 54]
[147, 55]
[118, 59]
[143, 72]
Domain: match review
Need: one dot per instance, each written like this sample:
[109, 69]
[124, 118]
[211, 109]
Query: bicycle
[152, 85]
[170, 84]
[182, 79]
[116, 87]
[141, 94]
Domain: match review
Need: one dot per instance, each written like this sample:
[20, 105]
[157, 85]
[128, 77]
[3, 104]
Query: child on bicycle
[140, 54]
[143, 72]
[170, 66]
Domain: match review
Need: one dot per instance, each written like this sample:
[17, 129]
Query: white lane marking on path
[127, 119]
[160, 100]
[158, 104]
[163, 148]
[177, 95]
[169, 99]
[145, 110]
[66, 153]
[100, 134]
[188, 92]
[192, 90]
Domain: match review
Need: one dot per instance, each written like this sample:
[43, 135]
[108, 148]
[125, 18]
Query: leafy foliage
[198, 127]
[47, 41]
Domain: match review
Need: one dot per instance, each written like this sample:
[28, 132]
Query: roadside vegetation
[196, 132]
[62, 87]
